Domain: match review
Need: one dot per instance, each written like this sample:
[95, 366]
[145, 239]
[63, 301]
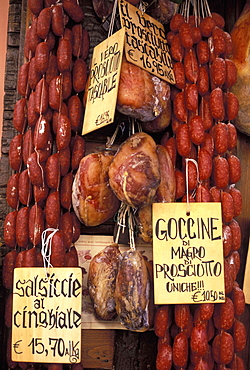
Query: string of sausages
[45, 153]
[207, 335]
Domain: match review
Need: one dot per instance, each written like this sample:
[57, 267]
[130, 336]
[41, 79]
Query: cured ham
[93, 200]
[103, 270]
[134, 173]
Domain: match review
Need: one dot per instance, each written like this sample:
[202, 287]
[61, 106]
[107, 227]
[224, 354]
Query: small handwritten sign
[46, 319]
[188, 253]
[145, 42]
[103, 83]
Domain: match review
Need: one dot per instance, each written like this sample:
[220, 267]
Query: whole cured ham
[93, 200]
[140, 94]
[103, 270]
[132, 291]
[134, 173]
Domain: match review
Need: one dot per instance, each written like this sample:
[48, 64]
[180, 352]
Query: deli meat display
[125, 156]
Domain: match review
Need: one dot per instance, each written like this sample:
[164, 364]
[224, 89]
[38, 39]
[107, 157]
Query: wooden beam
[98, 348]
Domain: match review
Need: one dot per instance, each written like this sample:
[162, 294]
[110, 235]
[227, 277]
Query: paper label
[246, 284]
[103, 83]
[188, 253]
[46, 319]
[145, 42]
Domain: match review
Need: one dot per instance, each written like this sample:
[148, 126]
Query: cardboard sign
[188, 253]
[145, 42]
[46, 319]
[246, 284]
[103, 83]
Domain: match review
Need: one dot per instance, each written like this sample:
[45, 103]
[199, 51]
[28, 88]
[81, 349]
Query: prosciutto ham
[134, 173]
[141, 95]
[103, 270]
[93, 200]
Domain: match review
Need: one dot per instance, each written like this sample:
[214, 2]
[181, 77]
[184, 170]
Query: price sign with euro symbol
[188, 253]
[46, 318]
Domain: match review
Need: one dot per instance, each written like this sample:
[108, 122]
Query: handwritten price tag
[46, 319]
[188, 253]
[145, 42]
[49, 348]
[103, 83]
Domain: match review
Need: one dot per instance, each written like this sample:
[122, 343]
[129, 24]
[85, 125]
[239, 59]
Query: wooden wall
[106, 349]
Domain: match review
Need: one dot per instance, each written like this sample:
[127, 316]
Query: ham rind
[165, 193]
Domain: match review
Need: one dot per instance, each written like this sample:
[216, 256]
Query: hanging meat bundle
[139, 173]
[119, 285]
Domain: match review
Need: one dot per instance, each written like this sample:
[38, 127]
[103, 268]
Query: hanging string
[126, 219]
[133, 126]
[38, 163]
[187, 160]
[139, 126]
[110, 141]
[121, 220]
[46, 248]
[131, 230]
[143, 6]
[152, 2]
[208, 12]
[196, 13]
[46, 253]
[201, 9]
[188, 10]
[112, 21]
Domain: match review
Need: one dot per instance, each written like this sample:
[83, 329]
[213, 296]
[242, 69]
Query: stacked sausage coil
[205, 336]
[45, 153]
